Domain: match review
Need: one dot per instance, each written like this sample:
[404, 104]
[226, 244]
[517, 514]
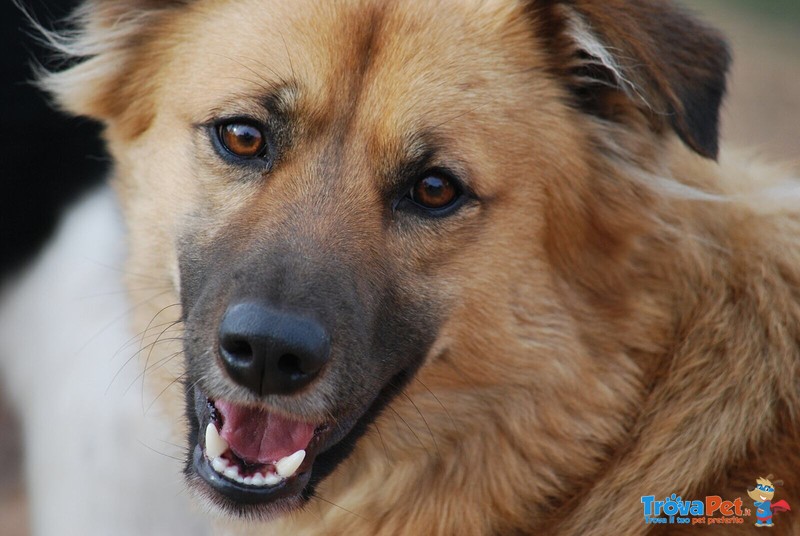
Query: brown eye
[434, 192]
[242, 139]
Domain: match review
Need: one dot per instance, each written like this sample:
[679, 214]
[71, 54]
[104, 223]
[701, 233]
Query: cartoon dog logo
[762, 496]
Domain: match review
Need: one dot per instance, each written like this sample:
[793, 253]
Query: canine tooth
[288, 465]
[231, 472]
[219, 464]
[271, 479]
[215, 445]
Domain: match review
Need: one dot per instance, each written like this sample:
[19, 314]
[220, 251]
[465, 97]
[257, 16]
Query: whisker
[385, 448]
[133, 356]
[433, 437]
[164, 360]
[463, 375]
[340, 507]
[149, 354]
[141, 334]
[184, 448]
[145, 445]
[161, 362]
[455, 427]
[162, 280]
[129, 342]
[409, 427]
[156, 316]
[118, 292]
[164, 390]
[249, 81]
[260, 77]
[319, 512]
[288, 55]
[114, 321]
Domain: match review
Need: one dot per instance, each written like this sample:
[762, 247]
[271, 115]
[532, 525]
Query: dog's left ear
[110, 74]
[648, 54]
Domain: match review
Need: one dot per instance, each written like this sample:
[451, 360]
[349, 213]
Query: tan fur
[606, 338]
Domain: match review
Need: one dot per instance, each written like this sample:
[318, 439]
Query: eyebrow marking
[274, 104]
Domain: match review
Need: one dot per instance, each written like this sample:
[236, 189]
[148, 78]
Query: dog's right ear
[626, 59]
[109, 72]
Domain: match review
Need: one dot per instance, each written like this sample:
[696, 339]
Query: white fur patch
[89, 465]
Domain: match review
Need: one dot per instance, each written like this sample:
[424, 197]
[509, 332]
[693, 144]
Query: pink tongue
[260, 436]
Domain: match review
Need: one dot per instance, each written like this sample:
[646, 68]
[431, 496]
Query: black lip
[246, 494]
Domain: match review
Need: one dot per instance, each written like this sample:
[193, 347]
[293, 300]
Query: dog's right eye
[242, 139]
[434, 192]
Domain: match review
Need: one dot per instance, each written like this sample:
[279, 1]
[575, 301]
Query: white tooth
[271, 479]
[219, 464]
[288, 465]
[248, 480]
[258, 479]
[215, 445]
[232, 472]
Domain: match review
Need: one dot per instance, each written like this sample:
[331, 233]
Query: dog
[445, 267]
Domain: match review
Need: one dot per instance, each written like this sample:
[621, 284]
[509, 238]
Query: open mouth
[252, 455]
[258, 463]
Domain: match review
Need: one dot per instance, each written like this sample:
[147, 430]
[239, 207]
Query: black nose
[269, 351]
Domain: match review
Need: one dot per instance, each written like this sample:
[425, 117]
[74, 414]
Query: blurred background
[48, 159]
[762, 111]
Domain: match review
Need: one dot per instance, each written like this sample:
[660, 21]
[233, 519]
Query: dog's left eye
[242, 139]
[435, 192]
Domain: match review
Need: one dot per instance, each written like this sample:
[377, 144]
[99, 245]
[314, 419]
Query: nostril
[289, 365]
[238, 349]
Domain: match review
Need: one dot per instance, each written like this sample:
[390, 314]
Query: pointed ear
[107, 74]
[647, 54]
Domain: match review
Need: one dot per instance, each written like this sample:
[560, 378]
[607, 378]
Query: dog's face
[351, 197]
[340, 194]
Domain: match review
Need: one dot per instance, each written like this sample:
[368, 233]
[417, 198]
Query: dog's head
[351, 198]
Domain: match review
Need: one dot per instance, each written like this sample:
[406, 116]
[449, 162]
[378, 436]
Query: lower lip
[246, 494]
